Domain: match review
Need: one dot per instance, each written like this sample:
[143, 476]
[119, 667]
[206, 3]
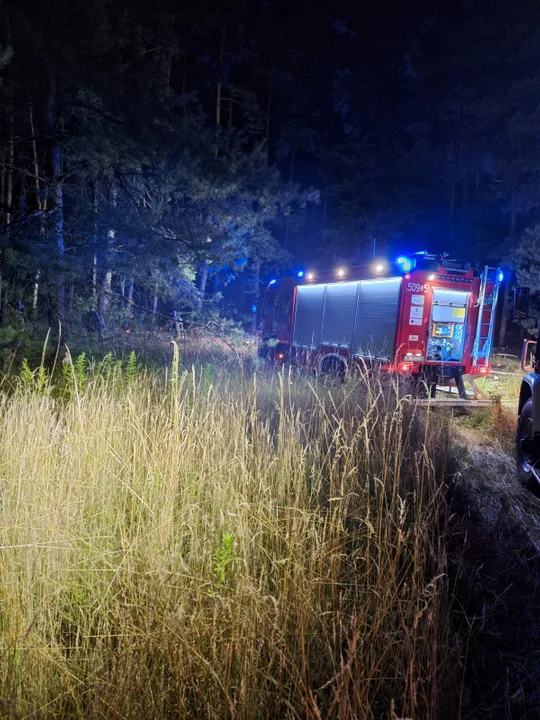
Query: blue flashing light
[405, 263]
[272, 282]
[300, 274]
[501, 276]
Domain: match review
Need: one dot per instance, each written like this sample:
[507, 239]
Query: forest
[166, 157]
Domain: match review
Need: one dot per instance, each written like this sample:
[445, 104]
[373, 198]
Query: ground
[495, 530]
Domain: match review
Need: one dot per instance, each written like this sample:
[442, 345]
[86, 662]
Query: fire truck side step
[452, 402]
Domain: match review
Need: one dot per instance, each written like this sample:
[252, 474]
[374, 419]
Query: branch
[99, 112]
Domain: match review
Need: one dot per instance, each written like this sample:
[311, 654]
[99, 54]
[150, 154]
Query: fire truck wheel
[262, 351]
[525, 451]
[334, 368]
[266, 349]
[425, 385]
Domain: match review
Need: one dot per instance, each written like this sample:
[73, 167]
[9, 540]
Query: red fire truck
[433, 319]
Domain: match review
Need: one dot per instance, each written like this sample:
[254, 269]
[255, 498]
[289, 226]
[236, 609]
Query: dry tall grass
[218, 546]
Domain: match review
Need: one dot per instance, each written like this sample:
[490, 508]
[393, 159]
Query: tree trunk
[505, 311]
[170, 57]
[39, 204]
[94, 281]
[203, 280]
[95, 243]
[184, 96]
[35, 295]
[477, 217]
[57, 192]
[154, 308]
[291, 166]
[34, 156]
[7, 197]
[8, 188]
[452, 209]
[453, 179]
[243, 291]
[256, 282]
[287, 238]
[220, 79]
[105, 294]
[202, 287]
[71, 297]
[106, 285]
[130, 290]
[268, 115]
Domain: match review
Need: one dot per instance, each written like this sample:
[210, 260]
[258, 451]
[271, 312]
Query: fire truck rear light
[404, 366]
[431, 277]
[484, 370]
[407, 276]
[310, 276]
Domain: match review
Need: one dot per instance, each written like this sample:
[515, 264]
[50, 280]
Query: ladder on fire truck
[487, 303]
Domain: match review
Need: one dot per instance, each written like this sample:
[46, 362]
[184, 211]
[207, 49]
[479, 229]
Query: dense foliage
[151, 153]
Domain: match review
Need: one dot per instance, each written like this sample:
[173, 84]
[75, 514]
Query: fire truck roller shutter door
[447, 331]
[377, 318]
[339, 314]
[308, 315]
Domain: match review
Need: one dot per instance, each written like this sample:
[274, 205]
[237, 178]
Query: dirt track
[496, 553]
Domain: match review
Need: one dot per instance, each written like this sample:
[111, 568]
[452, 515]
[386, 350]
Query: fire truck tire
[524, 459]
[333, 368]
[425, 385]
[263, 351]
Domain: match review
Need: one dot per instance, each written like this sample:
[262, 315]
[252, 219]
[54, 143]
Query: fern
[67, 378]
[118, 370]
[32, 381]
[131, 371]
[25, 381]
[224, 559]
[105, 367]
[41, 381]
[80, 372]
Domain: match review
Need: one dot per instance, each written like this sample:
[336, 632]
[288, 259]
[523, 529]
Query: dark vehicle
[528, 429]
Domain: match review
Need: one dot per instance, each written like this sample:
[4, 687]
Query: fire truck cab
[433, 319]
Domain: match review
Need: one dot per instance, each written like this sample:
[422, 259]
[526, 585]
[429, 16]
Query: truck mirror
[521, 303]
[528, 356]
